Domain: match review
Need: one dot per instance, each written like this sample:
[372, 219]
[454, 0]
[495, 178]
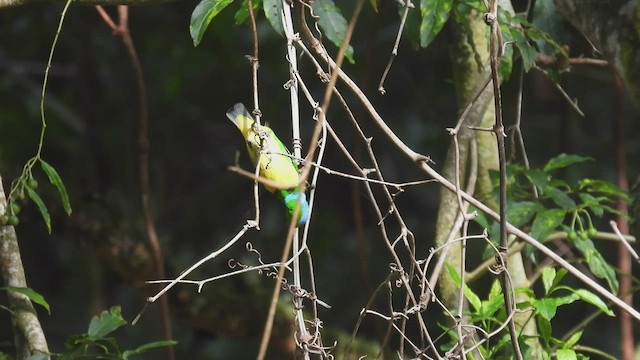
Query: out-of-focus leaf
[547, 19]
[152, 345]
[272, 11]
[563, 160]
[33, 195]
[574, 338]
[597, 264]
[374, 5]
[31, 294]
[56, 181]
[522, 212]
[527, 52]
[108, 322]
[243, 12]
[566, 354]
[592, 203]
[546, 222]
[332, 23]
[202, 15]
[434, 15]
[603, 187]
[538, 178]
[560, 197]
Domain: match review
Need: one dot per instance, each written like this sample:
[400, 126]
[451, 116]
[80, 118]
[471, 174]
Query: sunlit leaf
[548, 275]
[272, 11]
[545, 307]
[566, 354]
[202, 15]
[563, 160]
[544, 326]
[56, 181]
[574, 338]
[333, 24]
[546, 222]
[31, 294]
[593, 299]
[105, 324]
[33, 195]
[434, 15]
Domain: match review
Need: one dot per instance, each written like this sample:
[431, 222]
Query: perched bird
[276, 164]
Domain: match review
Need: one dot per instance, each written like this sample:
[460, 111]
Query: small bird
[276, 163]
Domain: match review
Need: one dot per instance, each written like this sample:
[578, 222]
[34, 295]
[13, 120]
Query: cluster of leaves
[328, 15]
[27, 183]
[560, 207]
[490, 314]
[97, 342]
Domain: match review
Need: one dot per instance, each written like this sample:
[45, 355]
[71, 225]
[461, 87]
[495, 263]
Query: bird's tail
[240, 116]
[291, 198]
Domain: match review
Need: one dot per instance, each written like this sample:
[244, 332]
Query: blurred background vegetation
[97, 257]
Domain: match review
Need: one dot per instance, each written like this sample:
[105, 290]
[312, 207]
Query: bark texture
[613, 26]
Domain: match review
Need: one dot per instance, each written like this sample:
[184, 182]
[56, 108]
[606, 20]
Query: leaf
[545, 307]
[522, 212]
[560, 197]
[56, 181]
[332, 23]
[148, 346]
[604, 187]
[597, 264]
[202, 16]
[434, 15]
[527, 52]
[39, 356]
[566, 354]
[592, 203]
[33, 195]
[546, 222]
[108, 321]
[547, 19]
[548, 275]
[559, 276]
[593, 299]
[538, 178]
[31, 294]
[243, 12]
[474, 300]
[374, 5]
[563, 160]
[272, 11]
[544, 326]
[573, 339]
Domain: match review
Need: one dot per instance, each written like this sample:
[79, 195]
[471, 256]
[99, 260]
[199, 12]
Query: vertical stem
[624, 258]
[496, 54]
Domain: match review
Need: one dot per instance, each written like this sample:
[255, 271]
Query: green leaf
[152, 345]
[538, 178]
[374, 5]
[38, 356]
[272, 11]
[31, 294]
[434, 15]
[560, 197]
[243, 12]
[202, 15]
[56, 181]
[545, 307]
[563, 160]
[544, 326]
[522, 212]
[566, 354]
[33, 195]
[593, 299]
[527, 52]
[573, 339]
[108, 322]
[546, 222]
[597, 264]
[332, 23]
[548, 275]
[592, 203]
[559, 276]
[603, 187]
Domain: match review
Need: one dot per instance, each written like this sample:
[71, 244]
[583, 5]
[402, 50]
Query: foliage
[97, 343]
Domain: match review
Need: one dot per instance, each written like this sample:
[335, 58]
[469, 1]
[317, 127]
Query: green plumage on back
[265, 148]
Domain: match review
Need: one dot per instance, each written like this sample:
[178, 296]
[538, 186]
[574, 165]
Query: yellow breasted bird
[276, 164]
